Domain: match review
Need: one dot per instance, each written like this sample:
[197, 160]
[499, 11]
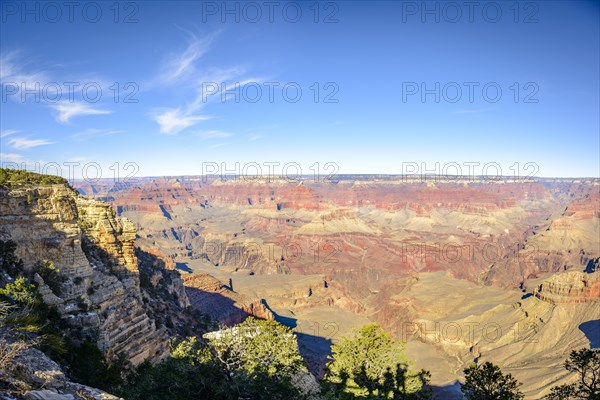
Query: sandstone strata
[31, 375]
[570, 287]
[101, 300]
[211, 297]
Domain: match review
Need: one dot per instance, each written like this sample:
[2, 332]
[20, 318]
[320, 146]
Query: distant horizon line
[320, 177]
[325, 177]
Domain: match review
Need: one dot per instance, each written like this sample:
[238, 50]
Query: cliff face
[391, 249]
[101, 300]
[40, 378]
[209, 296]
[504, 231]
[367, 237]
[570, 287]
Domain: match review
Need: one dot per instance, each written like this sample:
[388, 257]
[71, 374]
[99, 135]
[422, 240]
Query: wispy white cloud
[13, 70]
[68, 110]
[223, 85]
[7, 132]
[91, 132]
[217, 145]
[23, 143]
[19, 69]
[209, 88]
[183, 65]
[11, 158]
[213, 134]
[182, 70]
[174, 120]
[255, 136]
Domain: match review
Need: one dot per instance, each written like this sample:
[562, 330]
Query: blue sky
[361, 68]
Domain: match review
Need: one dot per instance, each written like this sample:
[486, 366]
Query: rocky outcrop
[208, 295]
[100, 300]
[165, 298]
[368, 234]
[570, 287]
[31, 375]
[506, 229]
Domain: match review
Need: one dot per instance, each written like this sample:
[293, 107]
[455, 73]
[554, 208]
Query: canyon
[102, 301]
[461, 268]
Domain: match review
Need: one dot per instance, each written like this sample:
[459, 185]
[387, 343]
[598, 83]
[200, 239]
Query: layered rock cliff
[498, 232]
[32, 375]
[100, 298]
[570, 287]
[368, 235]
[208, 295]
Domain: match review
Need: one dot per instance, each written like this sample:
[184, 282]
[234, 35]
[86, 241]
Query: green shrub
[85, 363]
[191, 373]
[8, 260]
[21, 293]
[16, 177]
[488, 382]
[51, 276]
[256, 360]
[585, 363]
[372, 365]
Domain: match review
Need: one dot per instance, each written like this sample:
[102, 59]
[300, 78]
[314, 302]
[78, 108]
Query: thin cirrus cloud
[217, 145]
[91, 132]
[68, 110]
[214, 134]
[7, 132]
[173, 121]
[23, 143]
[182, 65]
[12, 71]
[16, 70]
[11, 158]
[182, 69]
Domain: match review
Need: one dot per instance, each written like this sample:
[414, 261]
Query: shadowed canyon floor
[461, 269]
